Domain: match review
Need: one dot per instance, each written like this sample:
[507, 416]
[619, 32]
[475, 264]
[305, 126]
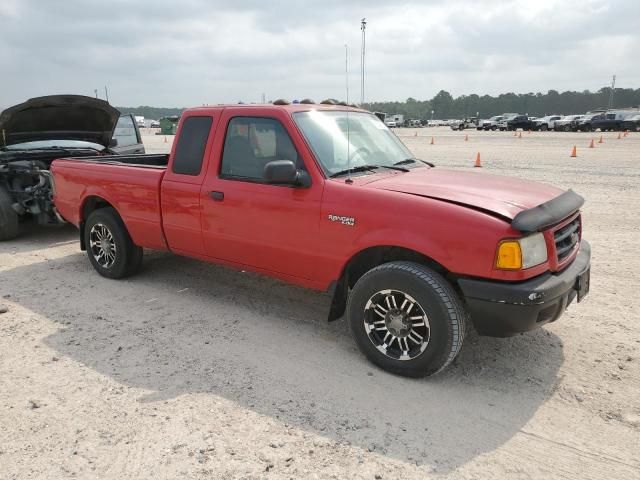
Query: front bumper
[500, 309]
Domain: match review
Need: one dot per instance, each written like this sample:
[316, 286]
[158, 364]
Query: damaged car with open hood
[36, 132]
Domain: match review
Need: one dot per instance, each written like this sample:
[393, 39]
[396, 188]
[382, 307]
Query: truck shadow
[182, 327]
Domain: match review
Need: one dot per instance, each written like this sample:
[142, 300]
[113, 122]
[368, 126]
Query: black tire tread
[9, 227]
[133, 253]
[457, 314]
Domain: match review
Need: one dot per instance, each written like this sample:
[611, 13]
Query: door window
[251, 143]
[125, 132]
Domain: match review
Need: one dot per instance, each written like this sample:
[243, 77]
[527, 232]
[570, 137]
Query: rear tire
[8, 217]
[109, 246]
[406, 319]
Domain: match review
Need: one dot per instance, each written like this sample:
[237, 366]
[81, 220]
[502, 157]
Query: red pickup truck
[327, 197]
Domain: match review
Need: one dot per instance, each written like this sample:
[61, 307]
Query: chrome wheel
[396, 324]
[102, 245]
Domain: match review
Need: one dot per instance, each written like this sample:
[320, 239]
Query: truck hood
[66, 117]
[501, 196]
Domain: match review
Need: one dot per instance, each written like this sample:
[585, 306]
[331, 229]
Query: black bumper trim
[503, 309]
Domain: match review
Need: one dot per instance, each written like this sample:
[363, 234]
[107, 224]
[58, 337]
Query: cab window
[251, 143]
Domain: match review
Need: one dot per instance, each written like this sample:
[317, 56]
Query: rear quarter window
[192, 143]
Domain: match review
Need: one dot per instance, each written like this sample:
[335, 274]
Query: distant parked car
[487, 123]
[567, 123]
[545, 123]
[391, 123]
[515, 122]
[607, 122]
[584, 124]
[154, 124]
[632, 123]
[469, 122]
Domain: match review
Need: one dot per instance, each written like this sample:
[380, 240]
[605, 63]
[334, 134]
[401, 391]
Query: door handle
[217, 196]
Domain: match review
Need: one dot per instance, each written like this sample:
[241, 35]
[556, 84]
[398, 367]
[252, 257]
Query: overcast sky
[193, 52]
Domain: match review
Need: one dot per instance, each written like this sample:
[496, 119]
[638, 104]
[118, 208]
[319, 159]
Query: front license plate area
[582, 284]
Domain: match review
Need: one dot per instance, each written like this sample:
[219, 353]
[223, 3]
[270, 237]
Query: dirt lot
[190, 370]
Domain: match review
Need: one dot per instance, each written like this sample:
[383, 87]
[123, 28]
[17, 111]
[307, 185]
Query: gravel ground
[191, 370]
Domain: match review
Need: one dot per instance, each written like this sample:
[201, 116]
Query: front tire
[406, 319]
[109, 246]
[8, 217]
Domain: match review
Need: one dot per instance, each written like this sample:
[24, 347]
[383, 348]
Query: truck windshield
[342, 141]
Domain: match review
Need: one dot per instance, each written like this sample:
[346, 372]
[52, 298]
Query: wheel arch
[366, 259]
[90, 204]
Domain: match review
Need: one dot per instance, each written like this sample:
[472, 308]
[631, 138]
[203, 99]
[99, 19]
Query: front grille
[566, 239]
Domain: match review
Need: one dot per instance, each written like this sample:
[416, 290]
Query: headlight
[522, 253]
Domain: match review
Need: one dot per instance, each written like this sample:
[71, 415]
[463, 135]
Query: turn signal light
[509, 255]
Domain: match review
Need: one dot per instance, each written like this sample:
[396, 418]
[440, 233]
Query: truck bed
[130, 183]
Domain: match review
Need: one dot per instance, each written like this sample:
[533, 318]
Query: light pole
[363, 27]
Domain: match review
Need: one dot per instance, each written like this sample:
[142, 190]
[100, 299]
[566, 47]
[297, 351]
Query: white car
[567, 123]
[490, 123]
[546, 123]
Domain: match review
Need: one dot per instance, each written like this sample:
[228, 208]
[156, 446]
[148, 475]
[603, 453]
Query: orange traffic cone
[601, 140]
[466, 137]
[619, 137]
[574, 153]
[165, 139]
[478, 162]
[520, 135]
[591, 145]
[432, 141]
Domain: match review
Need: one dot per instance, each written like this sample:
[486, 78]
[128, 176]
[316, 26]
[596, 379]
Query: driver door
[246, 220]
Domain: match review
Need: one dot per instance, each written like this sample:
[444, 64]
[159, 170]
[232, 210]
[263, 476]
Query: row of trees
[444, 106]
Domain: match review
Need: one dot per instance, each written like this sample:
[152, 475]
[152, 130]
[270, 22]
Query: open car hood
[68, 117]
[502, 196]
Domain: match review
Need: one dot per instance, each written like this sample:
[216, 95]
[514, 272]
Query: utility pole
[363, 27]
[95, 90]
[106, 93]
[613, 87]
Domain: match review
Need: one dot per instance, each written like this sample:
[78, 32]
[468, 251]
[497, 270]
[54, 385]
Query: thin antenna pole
[106, 93]
[346, 75]
[346, 69]
[363, 27]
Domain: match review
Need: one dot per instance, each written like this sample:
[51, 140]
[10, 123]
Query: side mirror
[285, 172]
[113, 142]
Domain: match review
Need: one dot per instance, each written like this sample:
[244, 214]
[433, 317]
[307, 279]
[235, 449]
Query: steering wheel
[360, 151]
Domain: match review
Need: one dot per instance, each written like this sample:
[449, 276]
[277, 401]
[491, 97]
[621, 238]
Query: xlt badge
[343, 220]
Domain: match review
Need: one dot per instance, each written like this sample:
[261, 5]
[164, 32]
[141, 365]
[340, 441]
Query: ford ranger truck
[327, 197]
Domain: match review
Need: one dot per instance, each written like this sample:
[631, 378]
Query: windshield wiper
[366, 168]
[413, 160]
[359, 168]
